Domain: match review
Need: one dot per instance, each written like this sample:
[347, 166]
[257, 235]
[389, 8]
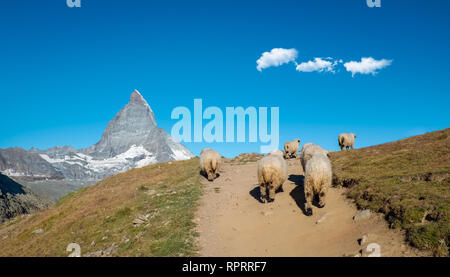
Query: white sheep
[318, 177]
[346, 141]
[308, 151]
[291, 147]
[272, 173]
[210, 163]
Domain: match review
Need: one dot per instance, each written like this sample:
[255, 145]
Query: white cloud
[276, 57]
[318, 64]
[366, 66]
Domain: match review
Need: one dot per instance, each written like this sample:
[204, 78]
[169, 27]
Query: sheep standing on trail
[272, 173]
[346, 141]
[210, 162]
[291, 147]
[317, 180]
[310, 150]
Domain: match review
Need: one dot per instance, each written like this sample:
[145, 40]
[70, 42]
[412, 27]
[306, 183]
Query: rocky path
[232, 222]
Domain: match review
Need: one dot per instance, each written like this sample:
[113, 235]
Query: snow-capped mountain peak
[132, 139]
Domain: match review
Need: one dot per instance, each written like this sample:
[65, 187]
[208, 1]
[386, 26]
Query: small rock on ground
[362, 215]
[322, 218]
[150, 192]
[110, 249]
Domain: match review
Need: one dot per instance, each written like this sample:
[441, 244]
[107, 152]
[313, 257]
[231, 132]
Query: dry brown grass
[245, 158]
[98, 216]
[408, 181]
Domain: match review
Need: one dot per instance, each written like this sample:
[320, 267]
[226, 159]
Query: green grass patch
[408, 181]
[165, 196]
[69, 195]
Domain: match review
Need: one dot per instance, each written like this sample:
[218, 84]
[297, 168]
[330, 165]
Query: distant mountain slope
[21, 163]
[143, 212]
[16, 199]
[407, 180]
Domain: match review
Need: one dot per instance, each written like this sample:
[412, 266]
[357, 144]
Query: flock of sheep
[272, 169]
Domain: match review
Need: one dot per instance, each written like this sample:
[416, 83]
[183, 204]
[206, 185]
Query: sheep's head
[297, 140]
[354, 135]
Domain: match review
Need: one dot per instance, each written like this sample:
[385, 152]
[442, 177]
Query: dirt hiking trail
[232, 222]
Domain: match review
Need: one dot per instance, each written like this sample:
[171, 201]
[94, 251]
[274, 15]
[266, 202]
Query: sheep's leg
[211, 176]
[321, 195]
[262, 189]
[271, 192]
[309, 195]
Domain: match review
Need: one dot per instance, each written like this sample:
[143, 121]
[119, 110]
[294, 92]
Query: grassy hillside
[142, 212]
[408, 181]
[149, 211]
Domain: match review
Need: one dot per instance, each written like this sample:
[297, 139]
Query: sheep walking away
[210, 163]
[317, 180]
[272, 173]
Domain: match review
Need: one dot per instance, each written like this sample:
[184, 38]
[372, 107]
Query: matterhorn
[132, 139]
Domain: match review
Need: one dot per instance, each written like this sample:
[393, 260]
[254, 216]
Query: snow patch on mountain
[136, 156]
[122, 161]
[66, 159]
[12, 173]
[181, 155]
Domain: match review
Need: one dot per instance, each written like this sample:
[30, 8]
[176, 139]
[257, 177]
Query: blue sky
[64, 73]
